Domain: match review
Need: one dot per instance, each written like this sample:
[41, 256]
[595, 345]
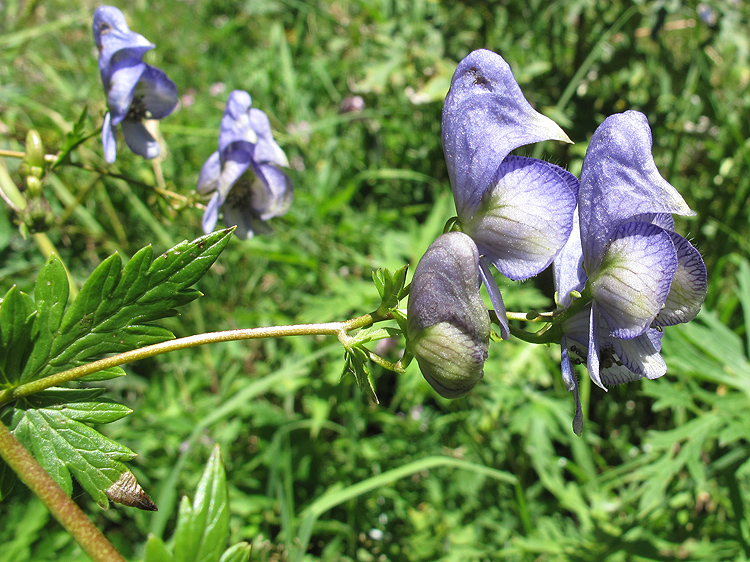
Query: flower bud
[448, 326]
[35, 152]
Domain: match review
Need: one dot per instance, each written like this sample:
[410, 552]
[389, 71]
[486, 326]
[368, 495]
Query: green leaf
[156, 550]
[356, 360]
[51, 297]
[203, 528]
[16, 321]
[74, 138]
[115, 308]
[390, 287]
[239, 552]
[49, 424]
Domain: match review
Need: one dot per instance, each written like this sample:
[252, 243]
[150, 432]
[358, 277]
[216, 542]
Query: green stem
[64, 509]
[338, 329]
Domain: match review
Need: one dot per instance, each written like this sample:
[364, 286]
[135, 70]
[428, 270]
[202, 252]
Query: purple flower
[135, 91]
[245, 142]
[518, 211]
[448, 326]
[640, 275]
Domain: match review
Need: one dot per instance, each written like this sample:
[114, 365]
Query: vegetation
[314, 469]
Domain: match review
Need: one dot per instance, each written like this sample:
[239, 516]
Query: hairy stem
[64, 509]
[338, 329]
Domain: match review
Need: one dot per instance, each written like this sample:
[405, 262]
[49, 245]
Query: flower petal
[159, 93]
[235, 124]
[571, 383]
[593, 348]
[688, 289]
[114, 39]
[211, 216]
[273, 194]
[208, 179]
[525, 218]
[266, 149]
[496, 298]
[139, 140]
[485, 117]
[620, 180]
[568, 267]
[125, 77]
[640, 355]
[634, 278]
[109, 139]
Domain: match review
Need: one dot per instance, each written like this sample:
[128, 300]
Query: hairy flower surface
[245, 143]
[448, 327]
[135, 91]
[641, 275]
[518, 211]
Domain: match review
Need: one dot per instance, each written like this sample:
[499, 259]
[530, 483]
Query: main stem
[338, 329]
[64, 509]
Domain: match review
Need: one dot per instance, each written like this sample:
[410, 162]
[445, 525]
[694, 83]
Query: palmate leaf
[51, 426]
[112, 313]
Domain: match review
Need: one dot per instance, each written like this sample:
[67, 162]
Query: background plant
[661, 471]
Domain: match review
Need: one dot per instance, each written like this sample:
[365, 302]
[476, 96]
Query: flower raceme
[641, 276]
[519, 211]
[135, 90]
[245, 143]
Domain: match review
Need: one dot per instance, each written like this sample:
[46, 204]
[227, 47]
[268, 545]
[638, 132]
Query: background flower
[135, 91]
[245, 142]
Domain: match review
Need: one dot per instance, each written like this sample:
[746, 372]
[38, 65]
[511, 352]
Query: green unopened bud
[35, 151]
[448, 325]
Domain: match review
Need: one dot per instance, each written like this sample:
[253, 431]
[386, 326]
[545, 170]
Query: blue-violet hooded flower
[641, 275]
[245, 142]
[519, 211]
[135, 90]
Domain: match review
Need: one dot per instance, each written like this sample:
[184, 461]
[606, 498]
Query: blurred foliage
[662, 471]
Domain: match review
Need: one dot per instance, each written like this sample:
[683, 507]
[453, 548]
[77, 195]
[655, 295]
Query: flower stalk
[338, 329]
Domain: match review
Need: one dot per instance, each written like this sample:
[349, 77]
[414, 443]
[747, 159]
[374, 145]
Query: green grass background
[661, 472]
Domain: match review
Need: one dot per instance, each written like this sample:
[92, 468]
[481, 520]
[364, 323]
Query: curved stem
[64, 509]
[338, 329]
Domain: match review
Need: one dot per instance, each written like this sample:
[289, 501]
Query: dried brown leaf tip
[127, 491]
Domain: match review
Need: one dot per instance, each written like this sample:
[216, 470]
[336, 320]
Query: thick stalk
[64, 509]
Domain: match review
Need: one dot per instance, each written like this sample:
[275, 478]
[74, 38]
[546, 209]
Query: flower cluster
[639, 274]
[245, 142]
[137, 92]
[622, 274]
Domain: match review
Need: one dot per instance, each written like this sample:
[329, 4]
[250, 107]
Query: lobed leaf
[115, 308]
[16, 321]
[50, 426]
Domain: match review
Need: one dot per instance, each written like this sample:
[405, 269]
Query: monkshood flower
[640, 274]
[135, 90]
[245, 143]
[448, 326]
[518, 211]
